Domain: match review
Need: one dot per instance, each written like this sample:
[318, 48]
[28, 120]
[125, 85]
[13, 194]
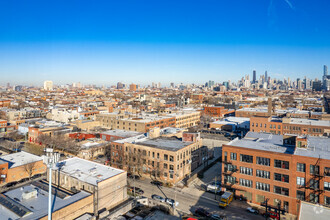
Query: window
[171, 167]
[300, 181]
[171, 158]
[230, 167]
[281, 164]
[314, 169]
[165, 174]
[301, 167]
[314, 184]
[171, 175]
[233, 156]
[327, 171]
[229, 179]
[263, 161]
[327, 186]
[326, 200]
[281, 190]
[263, 186]
[301, 195]
[313, 198]
[263, 174]
[246, 158]
[246, 171]
[225, 156]
[281, 177]
[157, 155]
[165, 166]
[246, 183]
[165, 157]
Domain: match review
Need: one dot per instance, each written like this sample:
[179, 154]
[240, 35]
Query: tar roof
[37, 206]
[19, 159]
[165, 143]
[88, 171]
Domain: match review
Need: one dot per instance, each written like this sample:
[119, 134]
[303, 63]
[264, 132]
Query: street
[188, 201]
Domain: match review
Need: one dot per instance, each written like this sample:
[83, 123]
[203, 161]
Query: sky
[143, 41]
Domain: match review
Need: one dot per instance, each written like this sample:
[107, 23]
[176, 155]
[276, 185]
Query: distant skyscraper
[120, 85]
[266, 76]
[254, 76]
[325, 70]
[48, 85]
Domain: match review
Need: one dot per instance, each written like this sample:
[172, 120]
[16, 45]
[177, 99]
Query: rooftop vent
[29, 194]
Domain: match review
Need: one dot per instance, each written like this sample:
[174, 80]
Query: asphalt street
[189, 202]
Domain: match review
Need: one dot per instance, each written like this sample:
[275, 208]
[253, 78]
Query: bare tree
[29, 168]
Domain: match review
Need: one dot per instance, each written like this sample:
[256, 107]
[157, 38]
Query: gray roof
[311, 122]
[19, 159]
[88, 171]
[263, 141]
[171, 144]
[317, 147]
[313, 211]
[39, 205]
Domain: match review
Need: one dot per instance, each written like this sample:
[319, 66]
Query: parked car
[227, 134]
[138, 191]
[202, 212]
[172, 202]
[216, 217]
[136, 177]
[158, 198]
[156, 182]
[252, 210]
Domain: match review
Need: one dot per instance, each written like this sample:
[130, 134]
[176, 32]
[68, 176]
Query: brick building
[217, 111]
[298, 126]
[108, 185]
[22, 165]
[286, 169]
[168, 158]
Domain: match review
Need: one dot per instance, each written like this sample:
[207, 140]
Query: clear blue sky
[141, 41]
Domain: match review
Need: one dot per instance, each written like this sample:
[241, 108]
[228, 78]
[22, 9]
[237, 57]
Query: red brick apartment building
[263, 112]
[297, 126]
[217, 111]
[286, 169]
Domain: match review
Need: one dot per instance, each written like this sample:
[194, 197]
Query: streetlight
[50, 159]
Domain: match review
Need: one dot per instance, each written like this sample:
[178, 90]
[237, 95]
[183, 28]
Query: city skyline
[188, 42]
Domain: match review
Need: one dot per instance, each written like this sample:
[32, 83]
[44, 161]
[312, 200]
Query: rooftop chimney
[270, 106]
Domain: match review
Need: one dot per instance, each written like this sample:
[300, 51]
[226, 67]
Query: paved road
[189, 202]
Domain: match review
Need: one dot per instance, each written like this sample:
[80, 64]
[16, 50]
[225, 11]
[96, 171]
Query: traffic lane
[189, 203]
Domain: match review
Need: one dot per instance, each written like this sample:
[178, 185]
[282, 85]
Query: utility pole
[50, 159]
[134, 181]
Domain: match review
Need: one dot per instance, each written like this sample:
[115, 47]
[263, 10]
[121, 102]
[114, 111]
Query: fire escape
[312, 186]
[228, 171]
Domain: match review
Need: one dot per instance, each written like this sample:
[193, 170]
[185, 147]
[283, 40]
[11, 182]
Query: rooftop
[13, 204]
[88, 171]
[19, 159]
[121, 133]
[318, 147]
[312, 122]
[165, 143]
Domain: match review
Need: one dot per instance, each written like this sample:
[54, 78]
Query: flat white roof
[20, 158]
[88, 171]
